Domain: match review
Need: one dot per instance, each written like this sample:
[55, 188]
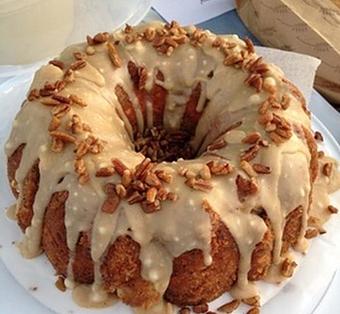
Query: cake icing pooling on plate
[172, 143]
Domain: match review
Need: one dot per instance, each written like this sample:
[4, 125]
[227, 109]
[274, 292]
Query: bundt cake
[162, 162]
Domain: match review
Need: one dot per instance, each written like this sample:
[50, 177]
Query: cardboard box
[306, 26]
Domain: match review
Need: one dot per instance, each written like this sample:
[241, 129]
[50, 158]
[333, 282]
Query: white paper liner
[296, 295]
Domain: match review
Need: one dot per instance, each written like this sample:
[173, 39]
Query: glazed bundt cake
[166, 162]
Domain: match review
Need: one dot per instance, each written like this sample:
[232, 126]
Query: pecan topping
[287, 268]
[254, 310]
[229, 307]
[77, 100]
[327, 169]
[184, 310]
[66, 138]
[250, 153]
[80, 169]
[199, 184]
[262, 169]
[217, 144]
[318, 136]
[50, 102]
[61, 110]
[219, 168]
[247, 168]
[105, 171]
[60, 284]
[332, 209]
[61, 99]
[252, 138]
[311, 233]
[57, 63]
[164, 176]
[253, 301]
[114, 56]
[119, 166]
[77, 65]
[245, 187]
[57, 145]
[101, 38]
[81, 149]
[33, 94]
[54, 124]
[201, 308]
[112, 200]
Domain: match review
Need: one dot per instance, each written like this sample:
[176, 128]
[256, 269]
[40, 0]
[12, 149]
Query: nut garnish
[245, 187]
[217, 144]
[287, 268]
[311, 233]
[184, 310]
[64, 137]
[252, 138]
[332, 209]
[250, 153]
[77, 100]
[262, 169]
[112, 200]
[318, 136]
[57, 63]
[219, 167]
[60, 284]
[254, 310]
[114, 56]
[247, 168]
[105, 171]
[327, 169]
[199, 184]
[201, 308]
[229, 307]
[253, 301]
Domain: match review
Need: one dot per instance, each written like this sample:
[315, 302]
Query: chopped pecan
[332, 209]
[101, 38]
[252, 138]
[77, 65]
[229, 307]
[253, 301]
[199, 184]
[247, 168]
[81, 149]
[245, 187]
[57, 63]
[205, 172]
[77, 100]
[105, 171]
[57, 145]
[151, 207]
[201, 308]
[114, 56]
[311, 233]
[152, 179]
[142, 168]
[254, 310]
[112, 200]
[61, 99]
[126, 177]
[54, 123]
[217, 144]
[119, 166]
[249, 45]
[262, 169]
[66, 138]
[327, 169]
[50, 102]
[151, 194]
[285, 102]
[250, 153]
[61, 110]
[120, 190]
[60, 284]
[135, 197]
[164, 176]
[33, 94]
[287, 268]
[219, 168]
[318, 136]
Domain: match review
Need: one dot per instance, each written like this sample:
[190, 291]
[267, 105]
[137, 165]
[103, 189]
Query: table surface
[15, 299]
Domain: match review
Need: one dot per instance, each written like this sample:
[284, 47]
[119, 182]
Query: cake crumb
[33, 288]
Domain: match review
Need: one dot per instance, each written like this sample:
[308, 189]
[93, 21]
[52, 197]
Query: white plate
[300, 295]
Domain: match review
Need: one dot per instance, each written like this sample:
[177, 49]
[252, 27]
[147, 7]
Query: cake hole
[160, 144]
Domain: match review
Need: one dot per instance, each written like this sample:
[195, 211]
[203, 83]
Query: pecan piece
[66, 138]
[250, 153]
[112, 200]
[262, 169]
[327, 169]
[229, 307]
[332, 209]
[252, 138]
[119, 166]
[105, 171]
[287, 268]
[114, 56]
[245, 187]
